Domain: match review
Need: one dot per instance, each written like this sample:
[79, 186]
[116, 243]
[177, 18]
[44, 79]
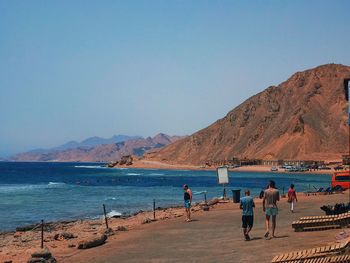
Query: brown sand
[213, 236]
[146, 164]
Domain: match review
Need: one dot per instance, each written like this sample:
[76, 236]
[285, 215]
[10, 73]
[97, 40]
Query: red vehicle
[341, 179]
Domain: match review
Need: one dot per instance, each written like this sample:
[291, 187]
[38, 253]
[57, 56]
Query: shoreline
[142, 164]
[131, 213]
[17, 246]
[27, 242]
[145, 164]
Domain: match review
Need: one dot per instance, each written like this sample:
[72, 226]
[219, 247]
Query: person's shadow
[282, 236]
[193, 220]
[255, 238]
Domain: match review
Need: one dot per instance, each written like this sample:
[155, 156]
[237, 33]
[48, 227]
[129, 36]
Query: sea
[34, 191]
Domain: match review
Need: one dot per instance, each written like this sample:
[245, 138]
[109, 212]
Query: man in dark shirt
[247, 204]
[187, 201]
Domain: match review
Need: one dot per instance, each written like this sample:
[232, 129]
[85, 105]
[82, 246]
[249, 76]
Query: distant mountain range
[303, 118]
[96, 149]
[88, 143]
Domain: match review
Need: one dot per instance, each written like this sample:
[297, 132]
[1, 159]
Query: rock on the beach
[108, 232]
[64, 235]
[44, 253]
[205, 207]
[146, 221]
[94, 242]
[121, 228]
[42, 256]
[213, 201]
[42, 260]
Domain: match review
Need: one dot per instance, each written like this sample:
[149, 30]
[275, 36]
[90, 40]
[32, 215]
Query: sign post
[223, 179]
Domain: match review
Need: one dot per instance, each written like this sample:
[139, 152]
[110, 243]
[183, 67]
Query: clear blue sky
[74, 69]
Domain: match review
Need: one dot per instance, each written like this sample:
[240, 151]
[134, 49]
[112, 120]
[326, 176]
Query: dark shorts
[247, 221]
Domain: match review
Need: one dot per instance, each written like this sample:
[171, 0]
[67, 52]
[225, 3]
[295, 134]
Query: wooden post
[205, 198]
[42, 234]
[224, 193]
[104, 212]
[154, 209]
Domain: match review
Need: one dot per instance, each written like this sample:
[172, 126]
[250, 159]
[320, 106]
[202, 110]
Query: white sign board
[222, 175]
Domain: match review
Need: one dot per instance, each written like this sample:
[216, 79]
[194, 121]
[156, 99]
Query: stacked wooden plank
[322, 259]
[336, 252]
[312, 223]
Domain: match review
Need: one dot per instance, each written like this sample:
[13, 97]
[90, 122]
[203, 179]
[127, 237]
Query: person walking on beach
[271, 196]
[247, 204]
[292, 197]
[187, 201]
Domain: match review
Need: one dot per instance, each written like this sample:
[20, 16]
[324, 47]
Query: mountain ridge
[304, 117]
[134, 145]
[88, 142]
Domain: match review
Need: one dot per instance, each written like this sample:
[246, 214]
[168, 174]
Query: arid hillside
[304, 118]
[98, 153]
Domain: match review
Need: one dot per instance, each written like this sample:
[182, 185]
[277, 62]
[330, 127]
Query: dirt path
[213, 236]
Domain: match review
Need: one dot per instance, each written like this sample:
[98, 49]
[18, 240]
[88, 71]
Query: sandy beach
[146, 164]
[213, 236]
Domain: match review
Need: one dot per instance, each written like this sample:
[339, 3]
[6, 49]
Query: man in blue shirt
[247, 204]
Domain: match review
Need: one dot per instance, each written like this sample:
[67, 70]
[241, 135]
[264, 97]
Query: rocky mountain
[302, 118]
[98, 153]
[89, 142]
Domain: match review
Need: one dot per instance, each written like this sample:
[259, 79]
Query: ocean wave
[133, 174]
[114, 213]
[20, 187]
[199, 192]
[110, 199]
[90, 166]
[56, 184]
[156, 174]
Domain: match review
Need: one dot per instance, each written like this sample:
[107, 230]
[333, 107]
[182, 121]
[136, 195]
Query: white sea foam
[199, 192]
[110, 198]
[114, 213]
[8, 188]
[133, 174]
[56, 183]
[156, 174]
[90, 166]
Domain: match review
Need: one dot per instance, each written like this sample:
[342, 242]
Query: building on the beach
[291, 162]
[247, 162]
[346, 159]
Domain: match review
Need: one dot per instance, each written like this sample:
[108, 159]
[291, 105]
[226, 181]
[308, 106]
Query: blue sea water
[30, 192]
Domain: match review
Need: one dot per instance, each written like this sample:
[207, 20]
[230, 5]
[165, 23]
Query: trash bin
[236, 195]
